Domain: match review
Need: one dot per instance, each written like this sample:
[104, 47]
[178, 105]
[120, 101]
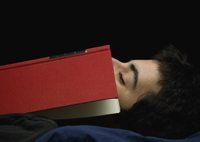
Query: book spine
[90, 50]
[97, 49]
[67, 54]
[45, 59]
[24, 63]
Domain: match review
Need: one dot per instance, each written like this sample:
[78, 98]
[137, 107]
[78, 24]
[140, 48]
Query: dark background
[31, 32]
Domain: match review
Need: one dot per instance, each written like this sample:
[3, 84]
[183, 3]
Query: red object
[50, 83]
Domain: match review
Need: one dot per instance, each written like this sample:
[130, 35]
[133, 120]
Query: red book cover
[57, 81]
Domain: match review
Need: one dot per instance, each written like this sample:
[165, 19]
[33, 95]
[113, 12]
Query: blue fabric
[101, 134]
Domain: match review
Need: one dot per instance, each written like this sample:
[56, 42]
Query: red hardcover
[51, 83]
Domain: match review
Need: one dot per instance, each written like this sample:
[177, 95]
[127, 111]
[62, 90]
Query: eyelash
[121, 78]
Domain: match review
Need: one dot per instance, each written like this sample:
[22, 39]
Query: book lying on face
[75, 85]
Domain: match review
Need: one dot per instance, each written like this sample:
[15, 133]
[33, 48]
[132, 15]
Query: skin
[148, 77]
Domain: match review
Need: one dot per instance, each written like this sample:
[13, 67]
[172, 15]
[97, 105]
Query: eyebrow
[135, 71]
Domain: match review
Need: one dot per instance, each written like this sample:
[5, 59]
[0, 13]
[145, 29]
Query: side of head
[173, 112]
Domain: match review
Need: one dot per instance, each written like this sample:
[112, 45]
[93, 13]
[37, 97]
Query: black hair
[174, 112]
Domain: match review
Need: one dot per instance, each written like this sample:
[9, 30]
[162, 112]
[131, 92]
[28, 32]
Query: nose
[115, 61]
[117, 64]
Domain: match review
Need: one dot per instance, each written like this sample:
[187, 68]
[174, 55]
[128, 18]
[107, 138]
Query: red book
[64, 86]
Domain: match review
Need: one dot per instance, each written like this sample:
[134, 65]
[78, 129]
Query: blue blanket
[101, 134]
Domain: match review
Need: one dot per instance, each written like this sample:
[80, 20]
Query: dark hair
[174, 112]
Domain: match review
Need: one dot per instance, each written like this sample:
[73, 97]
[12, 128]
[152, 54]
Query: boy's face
[135, 78]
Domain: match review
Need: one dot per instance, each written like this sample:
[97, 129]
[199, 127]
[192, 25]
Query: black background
[133, 31]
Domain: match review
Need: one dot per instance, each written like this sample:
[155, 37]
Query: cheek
[119, 89]
[121, 94]
[126, 99]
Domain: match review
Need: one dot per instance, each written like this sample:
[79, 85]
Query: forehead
[145, 65]
[148, 75]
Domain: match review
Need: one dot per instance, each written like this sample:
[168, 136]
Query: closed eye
[121, 78]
